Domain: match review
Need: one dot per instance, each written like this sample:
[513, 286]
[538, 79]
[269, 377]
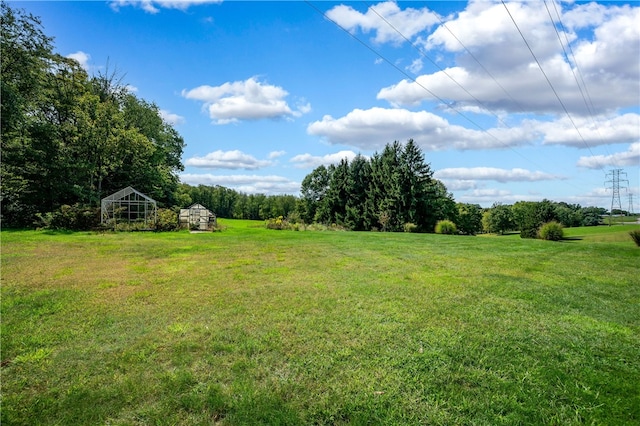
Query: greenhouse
[129, 206]
[198, 217]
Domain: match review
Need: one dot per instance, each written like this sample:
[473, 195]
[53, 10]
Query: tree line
[68, 138]
[527, 217]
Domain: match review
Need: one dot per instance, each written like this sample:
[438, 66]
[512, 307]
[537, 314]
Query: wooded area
[69, 138]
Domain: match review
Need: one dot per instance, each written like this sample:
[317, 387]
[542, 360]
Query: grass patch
[254, 326]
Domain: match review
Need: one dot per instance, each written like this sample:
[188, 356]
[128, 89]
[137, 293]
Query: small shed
[199, 217]
[130, 206]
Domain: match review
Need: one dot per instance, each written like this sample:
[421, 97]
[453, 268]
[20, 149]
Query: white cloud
[82, 58]
[599, 131]
[629, 158]
[494, 174]
[415, 66]
[459, 184]
[374, 128]
[227, 160]
[308, 161]
[244, 100]
[151, 6]
[606, 57]
[251, 184]
[276, 154]
[171, 118]
[409, 22]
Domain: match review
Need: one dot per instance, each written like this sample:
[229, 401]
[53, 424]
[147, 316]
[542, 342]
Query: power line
[444, 25]
[449, 105]
[437, 66]
[588, 105]
[546, 77]
[453, 79]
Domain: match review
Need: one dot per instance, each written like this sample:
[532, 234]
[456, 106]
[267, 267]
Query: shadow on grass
[58, 232]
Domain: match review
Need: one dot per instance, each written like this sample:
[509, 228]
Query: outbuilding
[198, 217]
[130, 206]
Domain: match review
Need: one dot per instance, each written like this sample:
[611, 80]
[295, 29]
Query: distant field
[253, 326]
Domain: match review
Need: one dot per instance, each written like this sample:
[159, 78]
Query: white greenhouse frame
[197, 216]
[129, 206]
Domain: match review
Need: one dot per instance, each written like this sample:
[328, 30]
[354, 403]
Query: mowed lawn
[255, 326]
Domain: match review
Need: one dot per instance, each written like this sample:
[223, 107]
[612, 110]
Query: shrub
[529, 233]
[446, 227]
[74, 218]
[552, 231]
[635, 236]
[167, 220]
[277, 223]
[410, 227]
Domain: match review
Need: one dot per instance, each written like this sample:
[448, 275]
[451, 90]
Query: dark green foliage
[446, 227]
[592, 216]
[74, 218]
[359, 211]
[551, 231]
[498, 219]
[229, 203]
[635, 236]
[68, 138]
[469, 218]
[313, 190]
[391, 189]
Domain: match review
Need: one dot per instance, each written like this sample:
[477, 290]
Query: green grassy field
[253, 326]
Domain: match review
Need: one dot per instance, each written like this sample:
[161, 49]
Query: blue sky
[509, 101]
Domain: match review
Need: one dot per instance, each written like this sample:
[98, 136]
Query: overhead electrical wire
[522, 109]
[588, 105]
[546, 77]
[444, 25]
[403, 72]
[452, 78]
[437, 66]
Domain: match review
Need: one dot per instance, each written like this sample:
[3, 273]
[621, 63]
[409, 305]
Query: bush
[77, 217]
[167, 220]
[446, 227]
[277, 223]
[529, 233]
[635, 236]
[552, 231]
[410, 227]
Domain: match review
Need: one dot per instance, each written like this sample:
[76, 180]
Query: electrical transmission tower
[630, 211]
[615, 189]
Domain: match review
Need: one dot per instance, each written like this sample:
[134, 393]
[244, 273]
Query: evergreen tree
[359, 214]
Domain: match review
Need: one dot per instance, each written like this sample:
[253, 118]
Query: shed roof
[197, 206]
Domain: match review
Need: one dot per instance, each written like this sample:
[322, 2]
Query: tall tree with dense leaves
[359, 212]
[415, 183]
[313, 189]
[469, 218]
[386, 187]
[498, 219]
[337, 194]
[25, 53]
